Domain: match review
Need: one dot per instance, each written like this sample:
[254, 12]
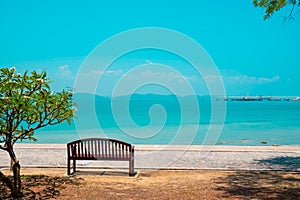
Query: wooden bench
[100, 149]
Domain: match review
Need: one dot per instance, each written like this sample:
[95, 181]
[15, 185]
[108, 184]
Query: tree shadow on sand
[260, 185]
[40, 186]
[286, 163]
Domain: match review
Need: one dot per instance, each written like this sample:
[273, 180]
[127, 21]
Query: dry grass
[163, 184]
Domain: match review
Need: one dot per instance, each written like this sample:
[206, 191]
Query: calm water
[160, 120]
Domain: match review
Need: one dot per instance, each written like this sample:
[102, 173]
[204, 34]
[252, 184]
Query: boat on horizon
[260, 98]
[247, 98]
[296, 99]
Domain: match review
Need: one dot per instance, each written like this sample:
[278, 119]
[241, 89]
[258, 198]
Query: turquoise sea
[158, 119]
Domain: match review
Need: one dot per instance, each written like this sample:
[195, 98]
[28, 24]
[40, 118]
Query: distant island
[261, 98]
[86, 97]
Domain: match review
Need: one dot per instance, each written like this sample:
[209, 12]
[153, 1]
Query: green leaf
[27, 103]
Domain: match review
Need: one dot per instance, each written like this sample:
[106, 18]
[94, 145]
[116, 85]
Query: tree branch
[6, 180]
[292, 10]
[3, 148]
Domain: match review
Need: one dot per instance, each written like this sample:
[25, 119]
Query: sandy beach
[52, 183]
[170, 157]
[162, 172]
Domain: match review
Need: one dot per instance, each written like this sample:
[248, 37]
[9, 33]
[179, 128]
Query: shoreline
[213, 148]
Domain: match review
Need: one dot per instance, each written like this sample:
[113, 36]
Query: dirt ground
[159, 184]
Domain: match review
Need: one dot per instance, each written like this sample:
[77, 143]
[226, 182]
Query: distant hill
[86, 97]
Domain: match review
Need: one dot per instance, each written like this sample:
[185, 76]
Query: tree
[27, 104]
[272, 6]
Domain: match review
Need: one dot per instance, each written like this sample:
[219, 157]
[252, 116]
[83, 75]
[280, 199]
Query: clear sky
[254, 56]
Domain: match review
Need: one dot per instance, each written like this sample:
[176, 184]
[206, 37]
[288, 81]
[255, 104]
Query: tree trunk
[16, 192]
[16, 168]
[15, 186]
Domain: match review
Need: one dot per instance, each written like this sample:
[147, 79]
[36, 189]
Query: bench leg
[74, 166]
[131, 167]
[69, 167]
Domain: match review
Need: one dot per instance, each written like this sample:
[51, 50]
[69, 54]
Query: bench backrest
[100, 148]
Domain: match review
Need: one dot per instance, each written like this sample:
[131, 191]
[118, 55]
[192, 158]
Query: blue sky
[254, 56]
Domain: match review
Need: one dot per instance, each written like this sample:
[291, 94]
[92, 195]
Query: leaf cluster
[27, 104]
[272, 6]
